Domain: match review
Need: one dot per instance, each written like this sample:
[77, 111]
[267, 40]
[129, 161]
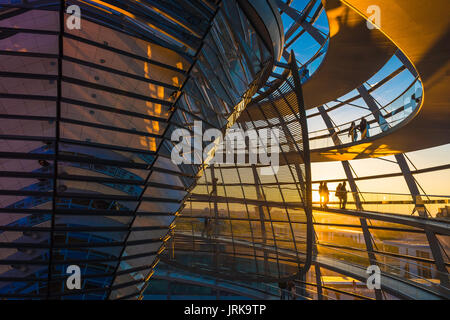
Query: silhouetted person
[363, 128]
[353, 132]
[342, 195]
[326, 195]
[283, 292]
[413, 98]
[305, 74]
[291, 289]
[338, 193]
[321, 197]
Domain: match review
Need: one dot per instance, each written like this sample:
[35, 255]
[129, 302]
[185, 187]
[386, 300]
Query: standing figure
[283, 292]
[338, 194]
[326, 195]
[353, 132]
[343, 198]
[363, 128]
[291, 289]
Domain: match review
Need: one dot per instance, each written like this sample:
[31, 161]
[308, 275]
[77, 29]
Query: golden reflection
[363, 150]
[334, 16]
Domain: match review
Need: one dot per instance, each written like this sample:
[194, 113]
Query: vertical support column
[216, 215]
[214, 192]
[62, 9]
[419, 206]
[261, 218]
[306, 159]
[318, 282]
[354, 189]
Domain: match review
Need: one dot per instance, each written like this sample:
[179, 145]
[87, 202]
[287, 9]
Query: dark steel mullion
[27, 97]
[62, 7]
[129, 54]
[109, 128]
[82, 178]
[119, 72]
[112, 109]
[112, 90]
[101, 179]
[98, 196]
[76, 142]
[78, 245]
[26, 117]
[79, 229]
[107, 147]
[106, 213]
[64, 277]
[25, 75]
[66, 262]
[32, 31]
[66, 158]
[28, 54]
